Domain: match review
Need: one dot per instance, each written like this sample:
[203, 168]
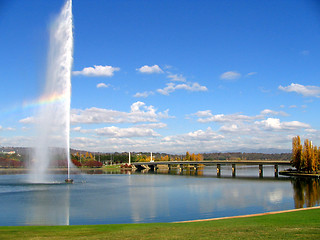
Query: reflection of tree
[306, 192]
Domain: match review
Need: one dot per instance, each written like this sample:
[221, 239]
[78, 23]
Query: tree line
[163, 157]
[305, 157]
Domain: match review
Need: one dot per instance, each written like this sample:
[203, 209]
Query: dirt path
[251, 215]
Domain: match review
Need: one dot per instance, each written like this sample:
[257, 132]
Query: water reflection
[306, 192]
[161, 196]
[48, 205]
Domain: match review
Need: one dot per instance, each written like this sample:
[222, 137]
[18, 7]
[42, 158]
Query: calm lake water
[142, 198]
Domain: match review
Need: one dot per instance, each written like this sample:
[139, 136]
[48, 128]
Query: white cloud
[103, 85]
[229, 128]
[20, 141]
[206, 113]
[206, 135]
[231, 75]
[76, 129]
[126, 132]
[251, 73]
[225, 118]
[305, 52]
[97, 71]
[275, 124]
[192, 87]
[272, 112]
[28, 120]
[150, 69]
[307, 91]
[177, 77]
[144, 94]
[152, 125]
[139, 113]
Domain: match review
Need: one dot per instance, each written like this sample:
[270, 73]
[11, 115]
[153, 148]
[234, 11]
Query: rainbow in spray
[45, 100]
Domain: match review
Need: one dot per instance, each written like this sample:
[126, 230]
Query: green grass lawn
[292, 225]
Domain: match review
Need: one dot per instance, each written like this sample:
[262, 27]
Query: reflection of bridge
[196, 164]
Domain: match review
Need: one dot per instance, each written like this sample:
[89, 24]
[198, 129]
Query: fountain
[53, 121]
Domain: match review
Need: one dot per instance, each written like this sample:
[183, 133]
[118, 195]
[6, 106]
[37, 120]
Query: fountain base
[69, 180]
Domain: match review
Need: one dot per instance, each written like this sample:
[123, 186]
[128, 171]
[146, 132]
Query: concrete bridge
[196, 164]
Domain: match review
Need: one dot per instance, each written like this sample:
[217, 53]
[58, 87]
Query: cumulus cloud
[207, 116]
[150, 69]
[97, 71]
[28, 120]
[152, 125]
[177, 77]
[21, 141]
[103, 85]
[272, 112]
[225, 118]
[307, 91]
[205, 113]
[139, 112]
[144, 94]
[231, 75]
[126, 132]
[192, 87]
[275, 124]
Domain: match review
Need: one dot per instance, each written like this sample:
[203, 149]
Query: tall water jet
[53, 120]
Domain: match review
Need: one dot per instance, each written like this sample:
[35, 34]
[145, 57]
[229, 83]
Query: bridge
[196, 164]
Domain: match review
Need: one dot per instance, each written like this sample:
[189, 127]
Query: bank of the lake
[304, 224]
[294, 173]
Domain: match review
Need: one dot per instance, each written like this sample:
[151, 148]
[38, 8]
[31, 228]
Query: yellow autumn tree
[199, 157]
[296, 153]
[188, 157]
[318, 158]
[308, 160]
[165, 158]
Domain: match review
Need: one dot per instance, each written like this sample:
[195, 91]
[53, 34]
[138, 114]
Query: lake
[151, 197]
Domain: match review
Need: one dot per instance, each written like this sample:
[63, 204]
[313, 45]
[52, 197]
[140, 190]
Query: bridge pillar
[139, 167]
[260, 170]
[179, 167]
[153, 167]
[218, 170]
[233, 170]
[276, 170]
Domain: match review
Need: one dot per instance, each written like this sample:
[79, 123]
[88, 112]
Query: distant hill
[263, 150]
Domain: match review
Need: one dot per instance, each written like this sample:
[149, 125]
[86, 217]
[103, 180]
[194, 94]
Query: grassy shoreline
[286, 225]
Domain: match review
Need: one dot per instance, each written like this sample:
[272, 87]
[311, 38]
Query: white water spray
[53, 124]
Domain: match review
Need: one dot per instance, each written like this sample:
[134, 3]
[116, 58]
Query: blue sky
[169, 76]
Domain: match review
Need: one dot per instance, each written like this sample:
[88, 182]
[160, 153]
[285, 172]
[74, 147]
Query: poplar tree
[188, 157]
[307, 155]
[296, 153]
[318, 159]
